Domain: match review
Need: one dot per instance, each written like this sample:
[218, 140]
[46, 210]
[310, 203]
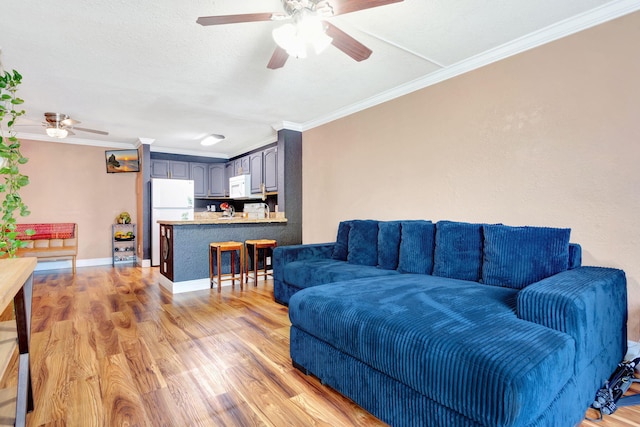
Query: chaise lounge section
[454, 324]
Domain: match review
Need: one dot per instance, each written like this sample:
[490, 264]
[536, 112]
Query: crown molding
[255, 146]
[198, 153]
[144, 141]
[551, 33]
[288, 125]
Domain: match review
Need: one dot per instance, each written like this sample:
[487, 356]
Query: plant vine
[10, 160]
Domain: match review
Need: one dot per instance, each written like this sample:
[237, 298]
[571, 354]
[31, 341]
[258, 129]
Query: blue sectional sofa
[454, 324]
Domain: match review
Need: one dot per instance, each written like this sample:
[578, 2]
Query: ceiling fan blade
[340, 7]
[278, 58]
[235, 19]
[70, 132]
[69, 122]
[99, 132]
[346, 43]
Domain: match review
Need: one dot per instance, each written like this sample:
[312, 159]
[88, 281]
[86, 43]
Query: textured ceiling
[146, 70]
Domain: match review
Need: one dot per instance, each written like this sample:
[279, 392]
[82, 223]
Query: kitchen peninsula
[186, 250]
[184, 246]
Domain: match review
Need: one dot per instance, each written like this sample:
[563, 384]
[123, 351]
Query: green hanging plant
[11, 180]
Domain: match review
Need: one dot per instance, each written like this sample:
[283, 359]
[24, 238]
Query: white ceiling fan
[58, 125]
[308, 26]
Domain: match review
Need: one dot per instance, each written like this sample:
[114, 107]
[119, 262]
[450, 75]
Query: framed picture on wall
[122, 161]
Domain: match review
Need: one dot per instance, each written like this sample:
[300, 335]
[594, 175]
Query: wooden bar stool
[215, 252]
[255, 246]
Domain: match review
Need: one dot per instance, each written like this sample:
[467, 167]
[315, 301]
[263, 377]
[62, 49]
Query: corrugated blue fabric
[283, 255]
[575, 255]
[416, 247]
[401, 406]
[458, 252]
[303, 274]
[458, 343]
[588, 303]
[341, 248]
[388, 244]
[386, 398]
[363, 242]
[515, 257]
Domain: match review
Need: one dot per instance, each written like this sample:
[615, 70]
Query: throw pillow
[341, 247]
[515, 257]
[416, 247]
[363, 242]
[388, 244]
[458, 252]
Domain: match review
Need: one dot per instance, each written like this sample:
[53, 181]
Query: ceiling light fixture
[307, 30]
[57, 132]
[212, 139]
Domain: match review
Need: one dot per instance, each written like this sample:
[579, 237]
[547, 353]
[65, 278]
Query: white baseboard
[185, 286]
[61, 265]
[66, 264]
[633, 350]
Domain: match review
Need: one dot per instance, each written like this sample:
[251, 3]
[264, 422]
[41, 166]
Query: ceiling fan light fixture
[212, 139]
[312, 31]
[288, 38]
[57, 132]
[321, 42]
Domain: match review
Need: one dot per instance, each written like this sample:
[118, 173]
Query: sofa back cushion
[388, 244]
[515, 257]
[341, 248]
[417, 239]
[363, 242]
[458, 251]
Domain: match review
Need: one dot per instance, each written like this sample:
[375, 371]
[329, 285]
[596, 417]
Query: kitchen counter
[223, 221]
[184, 245]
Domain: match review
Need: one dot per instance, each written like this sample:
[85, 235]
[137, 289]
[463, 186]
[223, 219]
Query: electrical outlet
[268, 260]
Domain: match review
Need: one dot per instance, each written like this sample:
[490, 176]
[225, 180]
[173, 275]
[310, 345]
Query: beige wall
[548, 137]
[69, 183]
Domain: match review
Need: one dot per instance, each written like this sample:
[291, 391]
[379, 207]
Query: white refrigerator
[171, 199]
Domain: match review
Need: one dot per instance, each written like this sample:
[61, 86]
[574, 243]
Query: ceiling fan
[60, 125]
[308, 27]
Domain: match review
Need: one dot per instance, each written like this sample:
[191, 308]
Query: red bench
[54, 241]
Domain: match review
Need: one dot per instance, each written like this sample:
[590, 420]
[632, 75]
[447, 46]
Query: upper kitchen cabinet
[199, 173]
[255, 165]
[241, 166]
[217, 180]
[264, 170]
[169, 169]
[270, 169]
[228, 173]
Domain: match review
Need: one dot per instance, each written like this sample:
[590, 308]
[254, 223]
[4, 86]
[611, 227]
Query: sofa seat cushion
[303, 274]
[456, 342]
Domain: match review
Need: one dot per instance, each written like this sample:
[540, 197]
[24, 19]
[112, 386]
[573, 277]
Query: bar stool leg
[246, 263]
[219, 258]
[210, 267]
[256, 253]
[241, 267]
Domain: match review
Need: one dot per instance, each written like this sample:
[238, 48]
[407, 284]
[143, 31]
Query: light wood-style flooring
[111, 348]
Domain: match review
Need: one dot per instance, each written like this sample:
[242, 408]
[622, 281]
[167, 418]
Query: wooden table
[16, 283]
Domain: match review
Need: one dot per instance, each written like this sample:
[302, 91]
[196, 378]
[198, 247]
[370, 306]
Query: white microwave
[240, 186]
